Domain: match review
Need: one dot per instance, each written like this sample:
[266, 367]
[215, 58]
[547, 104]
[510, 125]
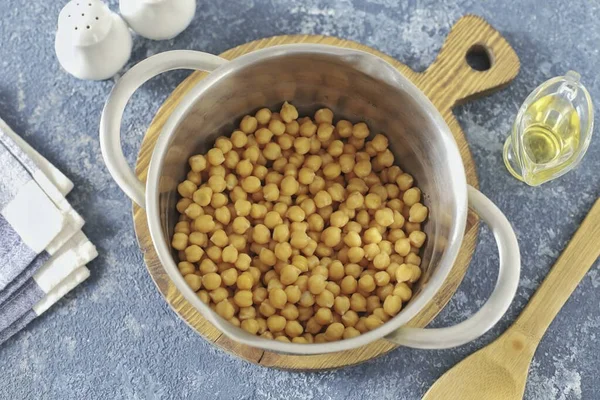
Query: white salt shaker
[91, 41]
[158, 19]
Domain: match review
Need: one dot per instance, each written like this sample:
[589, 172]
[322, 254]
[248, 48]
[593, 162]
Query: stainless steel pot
[357, 86]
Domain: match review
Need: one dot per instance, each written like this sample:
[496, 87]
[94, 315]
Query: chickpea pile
[296, 229]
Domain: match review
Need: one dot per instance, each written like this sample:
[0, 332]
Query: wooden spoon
[499, 370]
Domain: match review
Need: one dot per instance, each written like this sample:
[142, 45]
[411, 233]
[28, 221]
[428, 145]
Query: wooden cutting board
[447, 82]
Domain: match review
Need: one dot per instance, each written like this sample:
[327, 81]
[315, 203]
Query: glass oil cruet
[552, 131]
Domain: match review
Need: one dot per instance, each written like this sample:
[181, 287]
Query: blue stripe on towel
[24, 277]
[15, 255]
[17, 325]
[20, 303]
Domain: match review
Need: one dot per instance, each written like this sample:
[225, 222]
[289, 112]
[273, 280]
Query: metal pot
[357, 86]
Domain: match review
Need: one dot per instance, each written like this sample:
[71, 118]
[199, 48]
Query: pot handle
[110, 122]
[501, 298]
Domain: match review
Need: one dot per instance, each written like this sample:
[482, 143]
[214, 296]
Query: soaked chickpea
[239, 139]
[272, 151]
[248, 124]
[322, 199]
[381, 261]
[261, 234]
[292, 128]
[325, 131]
[362, 168]
[263, 136]
[360, 130]
[324, 115]
[299, 240]
[215, 156]
[306, 176]
[225, 309]
[404, 273]
[384, 217]
[186, 189]
[276, 323]
[358, 302]
[350, 332]
[180, 241]
[373, 322]
[344, 128]
[296, 214]
[372, 235]
[411, 196]
[211, 281]
[331, 236]
[404, 181]
[220, 294]
[272, 219]
[251, 184]
[323, 316]
[412, 258]
[302, 144]
[288, 112]
[300, 229]
[198, 163]
[316, 284]
[392, 305]
[293, 294]
[382, 278]
[186, 268]
[229, 254]
[193, 253]
[334, 331]
[307, 129]
[402, 246]
[339, 219]
[219, 238]
[289, 186]
[194, 282]
[372, 201]
[417, 238]
[417, 213]
[263, 116]
[373, 303]
[183, 204]
[277, 298]
[403, 291]
[366, 283]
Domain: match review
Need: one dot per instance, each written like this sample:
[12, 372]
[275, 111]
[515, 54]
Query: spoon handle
[570, 268]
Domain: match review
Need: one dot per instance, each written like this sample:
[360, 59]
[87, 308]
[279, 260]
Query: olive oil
[549, 135]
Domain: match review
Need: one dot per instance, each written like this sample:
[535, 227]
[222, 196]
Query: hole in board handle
[479, 58]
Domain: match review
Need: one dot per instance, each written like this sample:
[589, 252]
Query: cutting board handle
[450, 80]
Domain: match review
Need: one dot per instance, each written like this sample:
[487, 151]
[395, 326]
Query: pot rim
[163, 249]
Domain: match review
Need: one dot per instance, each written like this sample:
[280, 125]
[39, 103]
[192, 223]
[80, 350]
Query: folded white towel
[33, 216]
[58, 179]
[29, 202]
[29, 220]
[35, 213]
[40, 170]
[73, 221]
[64, 287]
[77, 252]
[68, 284]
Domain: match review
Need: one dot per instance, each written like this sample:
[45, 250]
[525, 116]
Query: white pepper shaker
[91, 41]
[158, 19]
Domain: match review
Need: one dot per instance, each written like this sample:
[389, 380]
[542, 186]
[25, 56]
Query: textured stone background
[115, 337]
